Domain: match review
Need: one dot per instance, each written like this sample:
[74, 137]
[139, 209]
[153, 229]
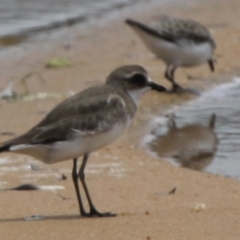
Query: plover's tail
[6, 146]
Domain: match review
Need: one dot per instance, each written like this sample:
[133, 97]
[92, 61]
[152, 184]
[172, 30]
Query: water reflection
[224, 101]
[192, 146]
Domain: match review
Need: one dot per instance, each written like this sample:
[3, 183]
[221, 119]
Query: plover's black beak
[157, 87]
[211, 64]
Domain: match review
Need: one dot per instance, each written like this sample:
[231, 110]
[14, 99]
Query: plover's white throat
[86, 122]
[178, 42]
[192, 146]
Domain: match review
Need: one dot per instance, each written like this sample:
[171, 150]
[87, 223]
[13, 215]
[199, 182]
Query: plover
[178, 42]
[85, 122]
[192, 146]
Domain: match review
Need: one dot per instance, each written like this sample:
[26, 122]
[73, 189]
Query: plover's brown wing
[89, 101]
[176, 30]
[93, 110]
[103, 120]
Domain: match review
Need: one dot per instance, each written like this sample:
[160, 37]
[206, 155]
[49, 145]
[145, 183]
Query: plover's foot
[95, 213]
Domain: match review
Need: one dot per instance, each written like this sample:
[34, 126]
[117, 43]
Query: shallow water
[225, 102]
[29, 15]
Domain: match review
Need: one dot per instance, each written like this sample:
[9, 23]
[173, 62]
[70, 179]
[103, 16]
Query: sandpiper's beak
[211, 64]
[156, 87]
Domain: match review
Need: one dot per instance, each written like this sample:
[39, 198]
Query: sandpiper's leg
[175, 87]
[75, 181]
[178, 89]
[166, 74]
[211, 64]
[93, 210]
[169, 74]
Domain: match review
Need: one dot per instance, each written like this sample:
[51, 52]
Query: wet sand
[136, 189]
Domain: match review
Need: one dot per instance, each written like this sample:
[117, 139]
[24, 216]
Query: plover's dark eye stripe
[138, 79]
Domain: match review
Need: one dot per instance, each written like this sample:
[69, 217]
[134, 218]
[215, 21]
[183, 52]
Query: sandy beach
[132, 183]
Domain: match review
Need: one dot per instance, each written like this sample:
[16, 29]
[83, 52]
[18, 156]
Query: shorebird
[85, 122]
[192, 146]
[178, 43]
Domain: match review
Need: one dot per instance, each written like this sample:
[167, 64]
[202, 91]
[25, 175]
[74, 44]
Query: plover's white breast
[137, 94]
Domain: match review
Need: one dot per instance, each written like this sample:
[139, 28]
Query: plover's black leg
[75, 181]
[93, 210]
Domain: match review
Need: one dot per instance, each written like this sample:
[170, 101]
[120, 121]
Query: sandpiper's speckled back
[177, 29]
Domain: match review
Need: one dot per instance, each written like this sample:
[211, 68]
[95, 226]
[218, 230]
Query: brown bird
[85, 122]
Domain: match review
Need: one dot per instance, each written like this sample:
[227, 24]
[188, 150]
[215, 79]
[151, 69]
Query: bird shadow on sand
[45, 218]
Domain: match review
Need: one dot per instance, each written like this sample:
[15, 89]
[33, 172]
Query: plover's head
[134, 80]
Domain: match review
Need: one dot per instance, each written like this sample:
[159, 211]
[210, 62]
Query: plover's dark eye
[138, 79]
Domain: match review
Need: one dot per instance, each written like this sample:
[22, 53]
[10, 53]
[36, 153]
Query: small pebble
[198, 207]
